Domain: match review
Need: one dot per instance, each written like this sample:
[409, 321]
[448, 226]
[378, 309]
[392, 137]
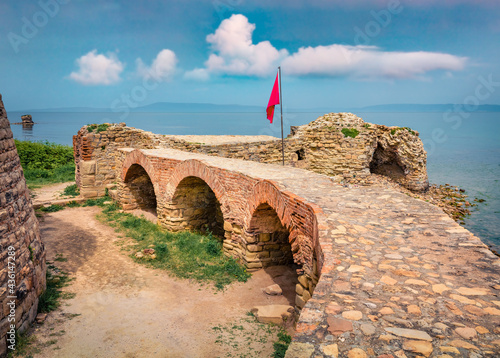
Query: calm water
[466, 154]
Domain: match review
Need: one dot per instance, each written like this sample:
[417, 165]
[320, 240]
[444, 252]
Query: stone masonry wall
[20, 243]
[95, 154]
[320, 146]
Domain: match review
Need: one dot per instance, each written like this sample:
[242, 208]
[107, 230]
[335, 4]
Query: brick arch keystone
[198, 169]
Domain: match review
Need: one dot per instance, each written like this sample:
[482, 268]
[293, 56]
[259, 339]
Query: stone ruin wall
[18, 230]
[96, 155]
[319, 146]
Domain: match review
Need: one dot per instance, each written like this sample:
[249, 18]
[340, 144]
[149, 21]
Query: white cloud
[162, 68]
[367, 62]
[97, 69]
[234, 53]
[199, 74]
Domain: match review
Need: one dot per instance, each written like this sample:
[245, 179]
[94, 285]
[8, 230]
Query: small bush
[161, 250]
[350, 132]
[72, 190]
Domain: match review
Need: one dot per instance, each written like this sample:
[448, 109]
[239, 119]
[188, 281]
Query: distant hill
[424, 108]
[164, 107]
[170, 107]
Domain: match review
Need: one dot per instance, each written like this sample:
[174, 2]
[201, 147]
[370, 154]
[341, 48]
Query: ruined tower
[22, 253]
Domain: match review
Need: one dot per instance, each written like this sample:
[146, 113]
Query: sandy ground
[123, 309]
[49, 192]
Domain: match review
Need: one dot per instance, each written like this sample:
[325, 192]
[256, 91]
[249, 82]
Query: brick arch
[137, 157]
[198, 169]
[265, 191]
[295, 214]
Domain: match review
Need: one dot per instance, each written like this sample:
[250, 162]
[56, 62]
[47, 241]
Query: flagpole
[281, 107]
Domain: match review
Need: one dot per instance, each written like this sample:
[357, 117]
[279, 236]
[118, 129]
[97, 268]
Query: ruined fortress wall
[20, 242]
[319, 146]
[95, 154]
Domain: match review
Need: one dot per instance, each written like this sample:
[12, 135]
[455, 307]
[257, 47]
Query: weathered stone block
[88, 167]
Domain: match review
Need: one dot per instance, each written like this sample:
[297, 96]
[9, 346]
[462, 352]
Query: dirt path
[122, 309]
[50, 193]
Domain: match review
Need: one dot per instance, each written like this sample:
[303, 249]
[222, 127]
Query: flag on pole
[273, 100]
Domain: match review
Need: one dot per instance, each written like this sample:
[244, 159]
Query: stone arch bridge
[379, 272]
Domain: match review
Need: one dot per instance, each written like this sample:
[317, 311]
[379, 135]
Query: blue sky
[334, 54]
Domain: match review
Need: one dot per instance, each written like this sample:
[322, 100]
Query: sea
[463, 148]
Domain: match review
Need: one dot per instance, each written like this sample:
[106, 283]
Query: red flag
[273, 100]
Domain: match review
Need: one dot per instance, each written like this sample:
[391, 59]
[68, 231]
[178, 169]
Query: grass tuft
[71, 190]
[281, 346]
[50, 298]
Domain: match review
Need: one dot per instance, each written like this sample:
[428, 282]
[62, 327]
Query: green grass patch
[98, 128]
[350, 132]
[46, 163]
[51, 209]
[185, 254]
[96, 202]
[50, 298]
[71, 190]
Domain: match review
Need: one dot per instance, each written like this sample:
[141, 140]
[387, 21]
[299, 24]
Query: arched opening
[268, 238]
[140, 192]
[301, 154]
[385, 161]
[195, 207]
[266, 245]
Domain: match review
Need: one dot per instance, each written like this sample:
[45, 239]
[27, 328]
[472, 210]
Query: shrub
[350, 132]
[72, 190]
[45, 163]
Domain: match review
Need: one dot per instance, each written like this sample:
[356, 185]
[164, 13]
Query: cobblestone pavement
[399, 279]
